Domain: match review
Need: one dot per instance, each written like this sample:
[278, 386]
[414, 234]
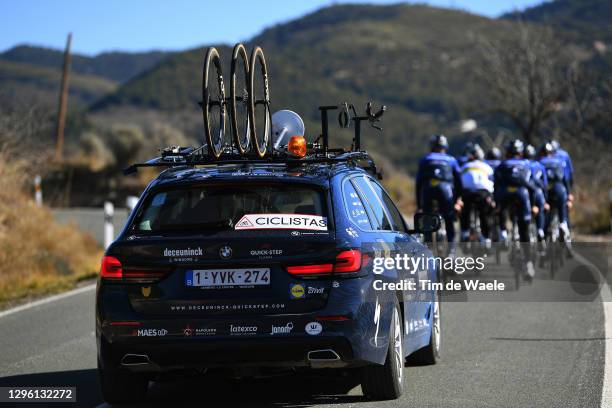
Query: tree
[525, 74]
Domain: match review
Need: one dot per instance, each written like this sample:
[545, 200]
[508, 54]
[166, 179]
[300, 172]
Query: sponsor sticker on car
[282, 221]
[313, 328]
[297, 291]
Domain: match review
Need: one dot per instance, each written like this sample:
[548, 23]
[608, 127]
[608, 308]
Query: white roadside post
[38, 190]
[109, 228]
[131, 202]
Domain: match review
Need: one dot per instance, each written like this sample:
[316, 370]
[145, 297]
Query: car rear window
[233, 208]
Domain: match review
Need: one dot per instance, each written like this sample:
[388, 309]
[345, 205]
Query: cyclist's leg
[428, 206]
[484, 210]
[503, 201]
[540, 218]
[464, 219]
[445, 191]
[523, 220]
[561, 201]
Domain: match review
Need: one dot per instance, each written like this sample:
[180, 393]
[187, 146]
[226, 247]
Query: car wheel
[387, 381]
[122, 386]
[431, 353]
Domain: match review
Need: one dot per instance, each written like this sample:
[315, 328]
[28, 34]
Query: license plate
[208, 278]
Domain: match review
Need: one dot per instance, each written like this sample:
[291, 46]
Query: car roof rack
[317, 153]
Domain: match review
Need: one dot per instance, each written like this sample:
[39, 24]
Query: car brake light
[346, 262]
[310, 269]
[111, 268]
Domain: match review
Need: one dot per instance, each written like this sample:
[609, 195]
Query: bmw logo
[225, 252]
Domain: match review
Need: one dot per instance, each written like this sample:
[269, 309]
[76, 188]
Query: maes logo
[297, 291]
[150, 332]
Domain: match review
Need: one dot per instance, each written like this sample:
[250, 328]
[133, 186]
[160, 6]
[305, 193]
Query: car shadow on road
[291, 390]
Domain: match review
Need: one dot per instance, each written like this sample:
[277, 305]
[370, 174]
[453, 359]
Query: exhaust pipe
[131, 360]
[326, 358]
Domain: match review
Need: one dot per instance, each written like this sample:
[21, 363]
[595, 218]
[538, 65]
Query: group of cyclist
[522, 184]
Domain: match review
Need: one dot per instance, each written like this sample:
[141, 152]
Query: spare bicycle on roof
[253, 126]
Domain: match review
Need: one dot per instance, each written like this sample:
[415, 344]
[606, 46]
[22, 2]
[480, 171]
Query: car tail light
[346, 262]
[111, 268]
[310, 269]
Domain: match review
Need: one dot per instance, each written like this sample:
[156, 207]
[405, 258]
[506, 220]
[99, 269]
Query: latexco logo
[243, 329]
[286, 329]
[313, 328]
[184, 252]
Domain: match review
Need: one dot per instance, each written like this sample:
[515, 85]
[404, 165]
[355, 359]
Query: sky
[141, 25]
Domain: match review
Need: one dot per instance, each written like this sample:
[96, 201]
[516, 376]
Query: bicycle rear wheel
[213, 103]
[259, 103]
[239, 98]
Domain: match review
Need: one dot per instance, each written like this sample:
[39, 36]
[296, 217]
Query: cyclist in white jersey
[477, 193]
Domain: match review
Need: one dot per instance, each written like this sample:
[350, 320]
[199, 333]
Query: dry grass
[37, 255]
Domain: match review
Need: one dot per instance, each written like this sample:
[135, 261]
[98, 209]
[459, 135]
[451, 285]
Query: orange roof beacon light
[297, 146]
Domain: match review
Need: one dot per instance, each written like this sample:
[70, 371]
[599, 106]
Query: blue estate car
[240, 266]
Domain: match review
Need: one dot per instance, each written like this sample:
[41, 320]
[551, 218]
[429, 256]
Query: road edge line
[46, 300]
[606, 301]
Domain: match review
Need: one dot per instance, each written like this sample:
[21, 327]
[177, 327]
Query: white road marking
[47, 300]
[606, 301]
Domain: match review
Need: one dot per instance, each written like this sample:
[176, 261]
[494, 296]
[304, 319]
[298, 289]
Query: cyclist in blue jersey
[558, 186]
[493, 157]
[569, 172]
[538, 197]
[567, 162]
[438, 180]
[513, 185]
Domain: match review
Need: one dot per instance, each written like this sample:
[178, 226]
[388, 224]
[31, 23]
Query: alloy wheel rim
[436, 326]
[397, 346]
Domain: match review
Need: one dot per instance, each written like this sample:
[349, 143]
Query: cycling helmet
[530, 152]
[438, 142]
[475, 152]
[547, 149]
[555, 145]
[494, 154]
[515, 147]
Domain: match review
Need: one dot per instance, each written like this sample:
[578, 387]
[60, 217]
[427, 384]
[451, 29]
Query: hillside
[581, 20]
[115, 66]
[30, 84]
[415, 59]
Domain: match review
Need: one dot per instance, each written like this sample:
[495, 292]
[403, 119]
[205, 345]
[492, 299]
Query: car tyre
[120, 386]
[386, 382]
[430, 354]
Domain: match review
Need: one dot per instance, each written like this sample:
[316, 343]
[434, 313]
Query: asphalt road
[496, 353]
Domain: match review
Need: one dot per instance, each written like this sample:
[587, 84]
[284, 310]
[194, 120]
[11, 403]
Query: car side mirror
[427, 222]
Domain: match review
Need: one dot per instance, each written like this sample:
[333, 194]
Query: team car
[239, 265]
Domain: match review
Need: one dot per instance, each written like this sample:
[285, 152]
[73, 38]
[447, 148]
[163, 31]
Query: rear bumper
[186, 353]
